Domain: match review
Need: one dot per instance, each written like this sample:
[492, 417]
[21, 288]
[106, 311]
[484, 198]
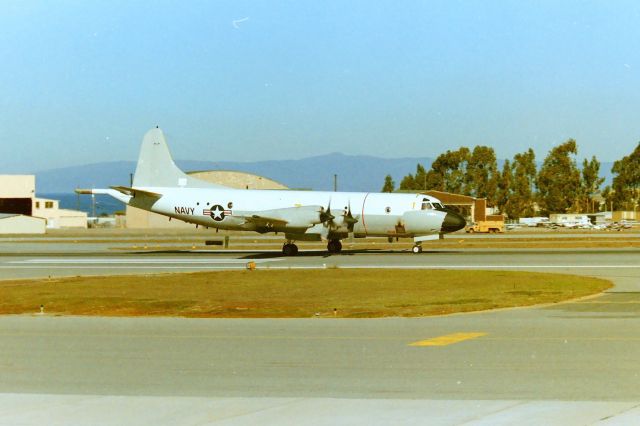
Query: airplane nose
[453, 222]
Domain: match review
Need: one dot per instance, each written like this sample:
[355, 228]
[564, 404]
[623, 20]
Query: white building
[11, 223]
[17, 197]
[57, 217]
[570, 219]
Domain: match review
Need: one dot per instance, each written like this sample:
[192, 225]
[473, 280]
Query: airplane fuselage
[377, 214]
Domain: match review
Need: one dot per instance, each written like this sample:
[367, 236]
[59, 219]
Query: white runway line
[241, 265]
[488, 266]
[148, 267]
[119, 261]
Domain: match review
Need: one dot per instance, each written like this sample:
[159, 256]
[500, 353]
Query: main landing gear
[334, 246]
[417, 248]
[289, 249]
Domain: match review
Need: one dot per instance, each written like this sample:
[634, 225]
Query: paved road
[573, 363]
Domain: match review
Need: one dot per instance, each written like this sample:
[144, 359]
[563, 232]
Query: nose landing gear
[417, 248]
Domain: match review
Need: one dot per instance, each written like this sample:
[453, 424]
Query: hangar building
[475, 209]
[140, 219]
[18, 197]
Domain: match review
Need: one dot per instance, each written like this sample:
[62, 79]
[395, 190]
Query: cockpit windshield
[431, 205]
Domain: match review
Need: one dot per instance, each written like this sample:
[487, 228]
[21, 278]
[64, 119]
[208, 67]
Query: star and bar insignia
[217, 212]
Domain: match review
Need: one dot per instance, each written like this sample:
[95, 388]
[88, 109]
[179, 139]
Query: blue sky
[81, 82]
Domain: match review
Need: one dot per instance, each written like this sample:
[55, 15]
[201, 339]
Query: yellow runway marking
[449, 339]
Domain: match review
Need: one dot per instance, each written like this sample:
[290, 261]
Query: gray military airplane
[159, 186]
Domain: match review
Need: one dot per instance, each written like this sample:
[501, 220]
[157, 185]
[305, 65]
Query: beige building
[137, 218]
[17, 197]
[618, 216]
[17, 186]
[21, 224]
[57, 217]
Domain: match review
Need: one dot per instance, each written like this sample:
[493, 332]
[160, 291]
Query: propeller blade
[349, 219]
[325, 215]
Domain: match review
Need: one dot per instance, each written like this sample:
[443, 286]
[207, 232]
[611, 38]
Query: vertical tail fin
[156, 168]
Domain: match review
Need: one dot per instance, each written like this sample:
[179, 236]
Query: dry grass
[293, 293]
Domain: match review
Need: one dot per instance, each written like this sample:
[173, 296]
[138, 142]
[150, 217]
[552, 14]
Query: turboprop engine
[342, 222]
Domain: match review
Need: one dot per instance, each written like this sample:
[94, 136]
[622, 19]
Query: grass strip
[346, 293]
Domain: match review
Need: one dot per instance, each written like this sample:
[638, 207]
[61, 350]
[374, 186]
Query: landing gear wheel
[334, 246]
[416, 249]
[289, 249]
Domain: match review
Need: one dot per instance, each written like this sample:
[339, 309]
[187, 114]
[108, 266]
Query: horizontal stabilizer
[123, 196]
[133, 192]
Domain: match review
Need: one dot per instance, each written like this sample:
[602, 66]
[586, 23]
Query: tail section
[156, 168]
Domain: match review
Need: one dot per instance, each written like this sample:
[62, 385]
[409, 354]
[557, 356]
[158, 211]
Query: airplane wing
[265, 221]
[294, 217]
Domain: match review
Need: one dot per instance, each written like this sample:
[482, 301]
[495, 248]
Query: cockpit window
[438, 206]
[426, 205]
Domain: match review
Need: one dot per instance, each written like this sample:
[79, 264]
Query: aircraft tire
[334, 246]
[289, 249]
[416, 249]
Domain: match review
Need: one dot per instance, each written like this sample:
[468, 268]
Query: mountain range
[355, 172]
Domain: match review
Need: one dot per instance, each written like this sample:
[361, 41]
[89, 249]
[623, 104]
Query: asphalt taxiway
[570, 363]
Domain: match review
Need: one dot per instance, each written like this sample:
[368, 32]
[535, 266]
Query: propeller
[349, 220]
[325, 215]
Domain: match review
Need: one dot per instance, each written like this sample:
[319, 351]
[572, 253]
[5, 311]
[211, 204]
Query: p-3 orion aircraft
[159, 186]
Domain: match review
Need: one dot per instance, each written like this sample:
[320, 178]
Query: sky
[81, 82]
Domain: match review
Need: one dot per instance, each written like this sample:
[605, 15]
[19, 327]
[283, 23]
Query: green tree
[607, 194]
[419, 180]
[448, 171]
[626, 183]
[559, 179]
[504, 188]
[481, 174]
[591, 182]
[389, 184]
[407, 182]
[521, 203]
[411, 182]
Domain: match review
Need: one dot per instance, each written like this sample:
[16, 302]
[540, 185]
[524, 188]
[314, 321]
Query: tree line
[558, 186]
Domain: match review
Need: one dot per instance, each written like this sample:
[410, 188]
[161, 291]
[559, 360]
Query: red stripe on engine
[363, 223]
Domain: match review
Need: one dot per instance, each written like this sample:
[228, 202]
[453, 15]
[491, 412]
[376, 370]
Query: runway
[574, 363]
[576, 261]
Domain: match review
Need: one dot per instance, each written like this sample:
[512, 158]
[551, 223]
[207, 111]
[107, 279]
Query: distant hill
[355, 172]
